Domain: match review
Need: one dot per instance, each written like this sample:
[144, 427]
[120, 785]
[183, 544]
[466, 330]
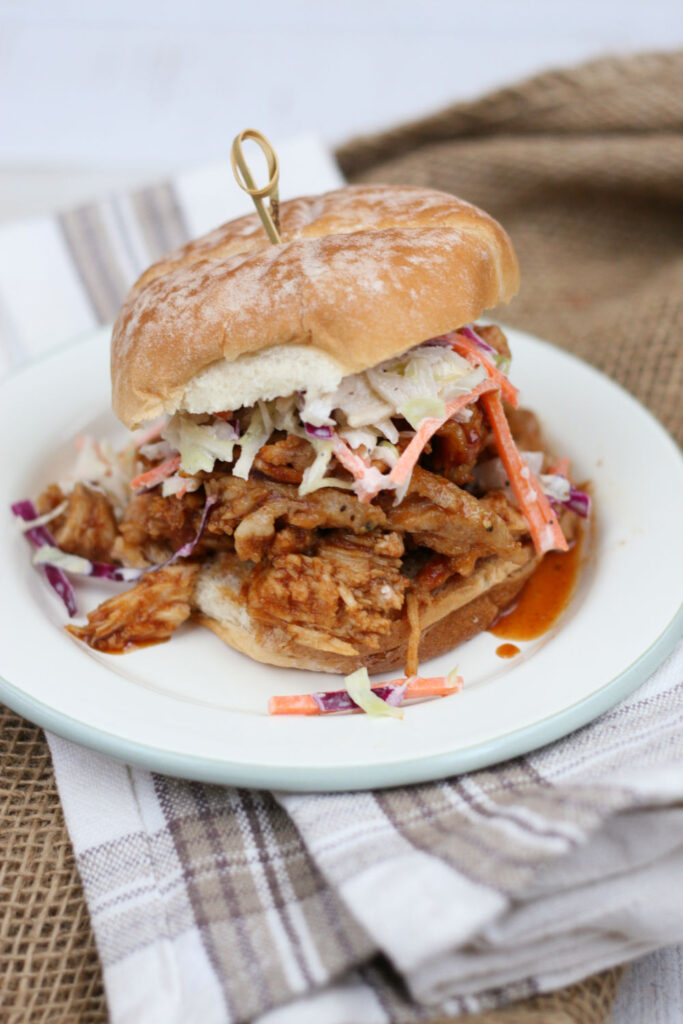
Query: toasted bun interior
[456, 613]
[362, 274]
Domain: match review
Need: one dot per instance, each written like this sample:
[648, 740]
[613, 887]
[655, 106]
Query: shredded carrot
[150, 433]
[370, 479]
[470, 351]
[301, 704]
[546, 532]
[561, 467]
[429, 427]
[431, 686]
[156, 474]
[349, 460]
[418, 686]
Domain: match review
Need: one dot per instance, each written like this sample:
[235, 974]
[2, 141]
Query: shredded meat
[328, 568]
[456, 447]
[286, 459]
[87, 527]
[525, 428]
[49, 499]
[413, 614]
[441, 516]
[434, 573]
[153, 527]
[348, 590]
[496, 502]
[252, 510]
[495, 338]
[147, 614]
[333, 571]
[291, 539]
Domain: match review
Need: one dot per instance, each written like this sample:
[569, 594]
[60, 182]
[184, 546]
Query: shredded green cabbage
[49, 555]
[30, 524]
[314, 476]
[177, 484]
[414, 386]
[200, 444]
[415, 410]
[358, 437]
[255, 436]
[452, 676]
[358, 689]
[386, 452]
[99, 463]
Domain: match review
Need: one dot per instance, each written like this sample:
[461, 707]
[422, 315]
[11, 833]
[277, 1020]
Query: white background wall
[156, 84]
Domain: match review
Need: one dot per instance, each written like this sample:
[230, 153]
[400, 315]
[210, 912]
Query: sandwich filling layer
[295, 507]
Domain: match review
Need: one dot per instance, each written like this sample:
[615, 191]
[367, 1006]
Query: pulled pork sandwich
[336, 478]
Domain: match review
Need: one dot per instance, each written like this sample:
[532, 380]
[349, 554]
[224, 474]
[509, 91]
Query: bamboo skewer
[270, 218]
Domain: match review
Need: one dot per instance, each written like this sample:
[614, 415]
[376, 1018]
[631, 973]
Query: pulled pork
[443, 517]
[350, 589]
[331, 571]
[87, 527]
[147, 614]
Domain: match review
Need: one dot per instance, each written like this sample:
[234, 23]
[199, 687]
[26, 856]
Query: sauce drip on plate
[507, 650]
[542, 600]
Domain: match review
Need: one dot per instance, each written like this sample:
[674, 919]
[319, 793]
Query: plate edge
[350, 778]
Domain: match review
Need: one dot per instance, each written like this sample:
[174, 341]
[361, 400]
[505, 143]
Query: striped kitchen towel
[212, 904]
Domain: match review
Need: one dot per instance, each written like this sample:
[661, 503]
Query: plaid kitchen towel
[214, 904]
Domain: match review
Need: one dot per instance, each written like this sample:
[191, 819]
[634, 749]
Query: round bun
[362, 274]
[457, 612]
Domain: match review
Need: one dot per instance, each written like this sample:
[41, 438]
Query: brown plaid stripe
[135, 893]
[160, 218]
[270, 926]
[111, 243]
[499, 827]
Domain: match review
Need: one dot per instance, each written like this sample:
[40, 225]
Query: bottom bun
[455, 613]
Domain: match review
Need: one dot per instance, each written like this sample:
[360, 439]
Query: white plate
[194, 707]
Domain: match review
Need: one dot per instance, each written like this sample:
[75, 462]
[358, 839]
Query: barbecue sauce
[542, 599]
[507, 650]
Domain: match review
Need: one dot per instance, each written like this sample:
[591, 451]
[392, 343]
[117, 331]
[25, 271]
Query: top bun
[362, 274]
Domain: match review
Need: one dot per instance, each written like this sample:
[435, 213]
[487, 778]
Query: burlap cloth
[585, 169]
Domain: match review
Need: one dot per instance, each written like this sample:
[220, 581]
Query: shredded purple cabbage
[40, 536]
[502, 362]
[473, 336]
[398, 692]
[186, 550]
[100, 570]
[321, 433]
[106, 571]
[579, 502]
[61, 585]
[330, 701]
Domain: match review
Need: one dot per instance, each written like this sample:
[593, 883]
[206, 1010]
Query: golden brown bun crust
[455, 614]
[363, 273]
